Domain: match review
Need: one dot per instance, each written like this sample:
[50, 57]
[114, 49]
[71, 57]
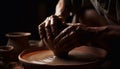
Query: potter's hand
[58, 37]
[49, 29]
[65, 41]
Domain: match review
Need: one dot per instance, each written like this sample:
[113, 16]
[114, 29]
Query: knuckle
[46, 26]
[41, 25]
[49, 37]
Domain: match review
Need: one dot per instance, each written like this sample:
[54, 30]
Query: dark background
[23, 16]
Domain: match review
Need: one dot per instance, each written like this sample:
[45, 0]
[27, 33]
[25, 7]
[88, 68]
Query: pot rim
[6, 48]
[18, 34]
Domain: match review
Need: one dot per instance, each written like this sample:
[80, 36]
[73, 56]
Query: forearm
[114, 30]
[109, 38]
[63, 8]
[112, 41]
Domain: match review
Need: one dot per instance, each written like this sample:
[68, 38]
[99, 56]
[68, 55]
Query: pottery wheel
[78, 56]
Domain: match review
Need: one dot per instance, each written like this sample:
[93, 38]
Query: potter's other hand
[76, 34]
[66, 40]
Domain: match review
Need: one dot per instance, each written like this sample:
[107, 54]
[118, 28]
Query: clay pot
[79, 58]
[6, 49]
[20, 42]
[5, 52]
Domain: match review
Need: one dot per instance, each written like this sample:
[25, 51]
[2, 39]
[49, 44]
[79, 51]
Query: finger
[68, 45]
[41, 29]
[66, 31]
[53, 24]
[56, 25]
[67, 38]
[47, 44]
[49, 35]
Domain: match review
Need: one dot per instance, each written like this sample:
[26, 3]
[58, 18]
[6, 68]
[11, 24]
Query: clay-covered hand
[49, 29]
[76, 34]
[58, 37]
[65, 41]
[62, 38]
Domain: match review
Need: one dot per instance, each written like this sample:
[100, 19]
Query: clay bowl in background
[79, 58]
[5, 53]
[6, 49]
